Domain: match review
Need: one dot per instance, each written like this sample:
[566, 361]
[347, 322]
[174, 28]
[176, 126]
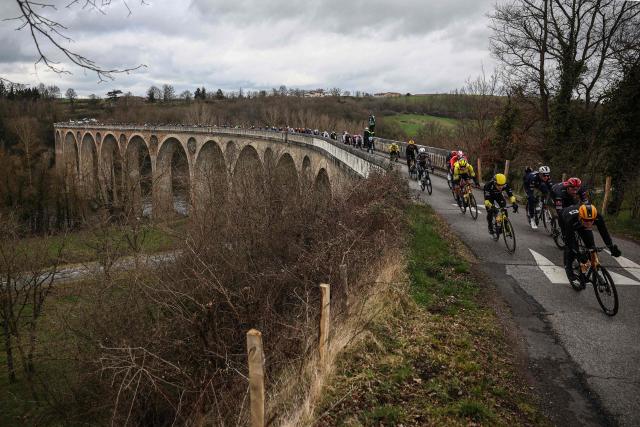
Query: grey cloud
[373, 46]
[405, 17]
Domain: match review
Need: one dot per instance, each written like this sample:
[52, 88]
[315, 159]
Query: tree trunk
[8, 346]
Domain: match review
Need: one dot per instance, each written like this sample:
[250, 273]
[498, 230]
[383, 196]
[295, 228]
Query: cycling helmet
[500, 179]
[587, 212]
[462, 163]
[573, 182]
[545, 170]
[411, 141]
[460, 154]
[422, 150]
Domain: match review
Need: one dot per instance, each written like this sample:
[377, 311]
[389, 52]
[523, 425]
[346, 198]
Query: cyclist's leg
[456, 185]
[531, 200]
[570, 248]
[490, 214]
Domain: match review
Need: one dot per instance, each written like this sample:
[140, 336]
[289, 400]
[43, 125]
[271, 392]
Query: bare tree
[335, 91]
[168, 92]
[26, 279]
[154, 94]
[71, 96]
[564, 48]
[49, 34]
[186, 95]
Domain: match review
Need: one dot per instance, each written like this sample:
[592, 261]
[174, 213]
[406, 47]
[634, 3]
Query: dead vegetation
[167, 346]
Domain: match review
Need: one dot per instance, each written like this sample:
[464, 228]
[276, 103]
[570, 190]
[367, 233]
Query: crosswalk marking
[556, 274]
[628, 265]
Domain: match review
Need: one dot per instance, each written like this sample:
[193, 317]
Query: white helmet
[422, 150]
[544, 170]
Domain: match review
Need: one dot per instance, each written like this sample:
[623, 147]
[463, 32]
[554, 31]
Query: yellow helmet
[587, 212]
[500, 179]
[462, 163]
[411, 141]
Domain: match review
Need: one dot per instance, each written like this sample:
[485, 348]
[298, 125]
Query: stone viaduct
[153, 166]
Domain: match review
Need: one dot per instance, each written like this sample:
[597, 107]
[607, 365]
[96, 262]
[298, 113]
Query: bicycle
[413, 171]
[393, 156]
[425, 179]
[541, 214]
[502, 225]
[556, 232]
[468, 200]
[592, 271]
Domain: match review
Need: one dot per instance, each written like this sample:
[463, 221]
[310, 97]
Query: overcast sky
[417, 46]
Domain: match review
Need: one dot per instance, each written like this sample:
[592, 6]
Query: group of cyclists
[575, 214]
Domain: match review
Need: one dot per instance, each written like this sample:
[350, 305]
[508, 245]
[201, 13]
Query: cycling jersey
[423, 159]
[571, 219]
[563, 199]
[494, 195]
[463, 172]
[411, 151]
[531, 181]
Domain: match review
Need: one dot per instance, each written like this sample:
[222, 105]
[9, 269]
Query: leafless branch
[48, 32]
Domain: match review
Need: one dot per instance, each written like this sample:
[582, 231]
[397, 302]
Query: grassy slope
[411, 123]
[443, 362]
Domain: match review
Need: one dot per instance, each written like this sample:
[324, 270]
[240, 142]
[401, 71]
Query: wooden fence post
[607, 191]
[324, 322]
[255, 356]
[480, 170]
[506, 168]
[345, 283]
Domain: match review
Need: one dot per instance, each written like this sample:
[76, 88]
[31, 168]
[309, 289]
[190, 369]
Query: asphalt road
[587, 364]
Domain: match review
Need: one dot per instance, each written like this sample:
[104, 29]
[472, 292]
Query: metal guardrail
[438, 155]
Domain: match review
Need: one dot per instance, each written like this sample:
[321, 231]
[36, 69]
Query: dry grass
[438, 355]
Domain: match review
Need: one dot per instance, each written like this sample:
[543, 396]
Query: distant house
[316, 93]
[387, 94]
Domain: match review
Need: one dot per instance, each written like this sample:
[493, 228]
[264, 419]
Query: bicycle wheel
[605, 290]
[422, 184]
[556, 234]
[509, 235]
[429, 186]
[473, 207]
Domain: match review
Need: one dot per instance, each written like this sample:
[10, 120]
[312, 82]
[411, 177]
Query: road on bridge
[586, 363]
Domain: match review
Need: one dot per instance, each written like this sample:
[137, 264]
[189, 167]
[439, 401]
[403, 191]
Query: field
[412, 123]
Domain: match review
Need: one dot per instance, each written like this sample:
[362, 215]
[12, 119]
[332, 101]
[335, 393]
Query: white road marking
[556, 274]
[456, 205]
[628, 265]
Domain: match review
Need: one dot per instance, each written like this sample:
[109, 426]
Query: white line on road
[628, 265]
[456, 205]
[556, 274]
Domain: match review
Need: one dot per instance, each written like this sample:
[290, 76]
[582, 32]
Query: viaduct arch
[162, 169]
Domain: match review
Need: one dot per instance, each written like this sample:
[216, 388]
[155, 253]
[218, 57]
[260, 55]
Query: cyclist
[394, 151]
[580, 219]
[462, 171]
[566, 194]
[455, 156]
[493, 194]
[411, 152]
[424, 162]
[540, 179]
